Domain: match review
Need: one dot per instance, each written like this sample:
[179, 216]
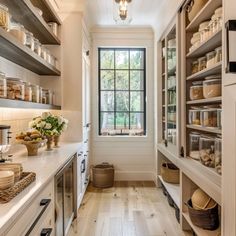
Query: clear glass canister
[4, 17]
[28, 92]
[29, 40]
[35, 93]
[195, 67]
[15, 89]
[37, 47]
[218, 54]
[218, 154]
[3, 85]
[212, 87]
[204, 31]
[210, 59]
[194, 116]
[49, 56]
[196, 91]
[206, 147]
[202, 63]
[219, 121]
[18, 31]
[44, 52]
[40, 94]
[194, 139]
[209, 117]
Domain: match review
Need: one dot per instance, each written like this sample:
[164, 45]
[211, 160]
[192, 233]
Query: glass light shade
[122, 11]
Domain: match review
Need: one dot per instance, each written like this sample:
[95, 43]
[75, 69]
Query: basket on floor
[170, 173]
[206, 219]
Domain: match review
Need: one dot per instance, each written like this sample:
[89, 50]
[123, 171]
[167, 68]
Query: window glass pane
[136, 101]
[136, 80]
[122, 59]
[136, 59]
[122, 120]
[107, 80]
[107, 59]
[137, 123]
[107, 101]
[107, 121]
[122, 80]
[122, 101]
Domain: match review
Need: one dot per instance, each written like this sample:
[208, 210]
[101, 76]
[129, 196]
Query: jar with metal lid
[15, 89]
[37, 47]
[35, 93]
[54, 27]
[44, 96]
[194, 116]
[194, 67]
[219, 121]
[218, 54]
[209, 117]
[44, 52]
[196, 91]
[4, 17]
[3, 85]
[18, 31]
[210, 59]
[212, 87]
[194, 139]
[28, 92]
[29, 40]
[218, 154]
[207, 148]
[202, 63]
[49, 56]
[40, 94]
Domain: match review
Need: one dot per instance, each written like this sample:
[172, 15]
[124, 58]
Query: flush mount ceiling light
[122, 11]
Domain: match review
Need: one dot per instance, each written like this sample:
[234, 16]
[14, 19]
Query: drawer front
[27, 218]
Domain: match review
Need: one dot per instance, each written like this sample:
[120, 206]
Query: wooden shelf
[205, 129]
[26, 105]
[173, 190]
[24, 12]
[216, 69]
[20, 54]
[199, 231]
[207, 100]
[213, 42]
[204, 14]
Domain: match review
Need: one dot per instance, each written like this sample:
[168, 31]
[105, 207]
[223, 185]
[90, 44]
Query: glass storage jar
[44, 52]
[35, 93]
[40, 94]
[4, 17]
[49, 56]
[44, 96]
[172, 116]
[218, 154]
[28, 92]
[209, 117]
[194, 68]
[218, 54]
[210, 59]
[206, 147]
[212, 87]
[18, 31]
[3, 85]
[15, 89]
[29, 40]
[204, 31]
[202, 63]
[196, 91]
[219, 121]
[194, 145]
[37, 47]
[194, 116]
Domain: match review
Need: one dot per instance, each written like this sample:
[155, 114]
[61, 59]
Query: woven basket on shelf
[194, 7]
[8, 194]
[170, 173]
[206, 219]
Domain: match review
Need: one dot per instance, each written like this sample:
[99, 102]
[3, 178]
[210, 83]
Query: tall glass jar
[194, 116]
[37, 47]
[3, 85]
[4, 17]
[219, 121]
[15, 89]
[218, 154]
[18, 31]
[209, 117]
[29, 40]
[28, 92]
[202, 61]
[194, 139]
[44, 52]
[44, 96]
[35, 93]
[40, 94]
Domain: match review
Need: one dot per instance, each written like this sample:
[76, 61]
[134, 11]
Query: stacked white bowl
[6, 179]
[15, 167]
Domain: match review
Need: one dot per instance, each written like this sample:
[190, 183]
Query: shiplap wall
[133, 157]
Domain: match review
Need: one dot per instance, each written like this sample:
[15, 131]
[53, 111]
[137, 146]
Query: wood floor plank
[140, 224]
[115, 226]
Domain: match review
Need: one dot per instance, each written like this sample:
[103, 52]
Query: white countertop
[45, 165]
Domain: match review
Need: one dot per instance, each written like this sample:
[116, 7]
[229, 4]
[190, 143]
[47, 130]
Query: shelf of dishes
[25, 37]
[17, 89]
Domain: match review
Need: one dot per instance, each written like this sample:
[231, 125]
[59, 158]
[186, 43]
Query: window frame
[129, 49]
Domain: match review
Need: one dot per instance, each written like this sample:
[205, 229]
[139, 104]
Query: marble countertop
[45, 165]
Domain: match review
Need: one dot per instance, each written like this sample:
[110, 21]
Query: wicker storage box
[103, 175]
[205, 219]
[194, 7]
[170, 173]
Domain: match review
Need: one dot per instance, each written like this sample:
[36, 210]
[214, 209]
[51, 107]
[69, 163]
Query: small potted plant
[61, 126]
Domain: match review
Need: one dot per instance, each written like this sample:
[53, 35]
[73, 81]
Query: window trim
[143, 49]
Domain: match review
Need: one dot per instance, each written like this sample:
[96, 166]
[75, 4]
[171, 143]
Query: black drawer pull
[45, 203]
[46, 232]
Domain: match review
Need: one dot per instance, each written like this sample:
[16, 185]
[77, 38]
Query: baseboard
[134, 176]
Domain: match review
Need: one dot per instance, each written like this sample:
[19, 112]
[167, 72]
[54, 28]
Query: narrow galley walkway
[127, 209]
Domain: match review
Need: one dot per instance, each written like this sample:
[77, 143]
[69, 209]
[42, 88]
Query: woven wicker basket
[194, 7]
[8, 194]
[205, 219]
[170, 173]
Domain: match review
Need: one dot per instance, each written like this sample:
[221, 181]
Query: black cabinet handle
[46, 232]
[83, 166]
[230, 65]
[44, 203]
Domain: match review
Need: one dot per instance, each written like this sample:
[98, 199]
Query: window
[122, 91]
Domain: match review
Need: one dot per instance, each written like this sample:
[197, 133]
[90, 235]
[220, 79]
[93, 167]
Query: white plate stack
[15, 167]
[6, 179]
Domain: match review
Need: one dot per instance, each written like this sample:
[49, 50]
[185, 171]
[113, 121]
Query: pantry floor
[127, 209]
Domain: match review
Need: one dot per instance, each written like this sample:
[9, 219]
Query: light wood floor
[127, 209]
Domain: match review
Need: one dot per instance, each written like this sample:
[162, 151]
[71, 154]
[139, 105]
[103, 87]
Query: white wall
[133, 157]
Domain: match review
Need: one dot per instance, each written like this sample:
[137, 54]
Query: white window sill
[121, 138]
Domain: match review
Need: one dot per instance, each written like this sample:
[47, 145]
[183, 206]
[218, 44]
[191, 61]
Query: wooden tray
[8, 194]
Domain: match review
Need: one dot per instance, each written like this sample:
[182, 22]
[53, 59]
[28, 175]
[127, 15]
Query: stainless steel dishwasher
[66, 196]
